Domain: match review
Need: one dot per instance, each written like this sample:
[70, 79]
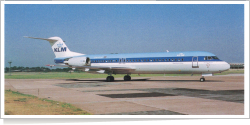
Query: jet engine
[78, 61]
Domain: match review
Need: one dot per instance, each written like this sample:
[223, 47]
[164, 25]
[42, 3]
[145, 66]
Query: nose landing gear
[202, 79]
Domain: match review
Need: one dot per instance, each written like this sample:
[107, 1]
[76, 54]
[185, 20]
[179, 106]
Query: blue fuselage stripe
[145, 59]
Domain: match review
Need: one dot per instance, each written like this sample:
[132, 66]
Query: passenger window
[172, 59]
[179, 60]
[156, 60]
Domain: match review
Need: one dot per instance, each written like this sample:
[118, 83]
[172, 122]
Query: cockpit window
[215, 57]
[209, 58]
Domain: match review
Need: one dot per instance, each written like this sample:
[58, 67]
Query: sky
[103, 29]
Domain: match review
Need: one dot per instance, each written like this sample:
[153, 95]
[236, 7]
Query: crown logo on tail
[59, 44]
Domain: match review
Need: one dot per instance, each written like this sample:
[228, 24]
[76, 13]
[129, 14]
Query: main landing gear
[127, 78]
[110, 79]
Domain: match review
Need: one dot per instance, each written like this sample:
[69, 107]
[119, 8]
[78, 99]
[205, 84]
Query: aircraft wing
[113, 70]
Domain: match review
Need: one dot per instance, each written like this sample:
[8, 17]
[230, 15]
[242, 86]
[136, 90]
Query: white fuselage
[159, 63]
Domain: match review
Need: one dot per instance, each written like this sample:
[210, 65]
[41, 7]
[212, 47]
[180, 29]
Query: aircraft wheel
[202, 79]
[110, 79]
[127, 78]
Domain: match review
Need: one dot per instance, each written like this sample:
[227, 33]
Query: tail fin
[59, 47]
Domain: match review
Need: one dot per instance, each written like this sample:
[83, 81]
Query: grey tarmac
[163, 95]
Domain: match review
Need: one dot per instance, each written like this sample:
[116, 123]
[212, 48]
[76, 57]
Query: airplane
[189, 62]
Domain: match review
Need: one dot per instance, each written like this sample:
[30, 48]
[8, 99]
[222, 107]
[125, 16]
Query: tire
[202, 79]
[108, 79]
[112, 78]
[127, 78]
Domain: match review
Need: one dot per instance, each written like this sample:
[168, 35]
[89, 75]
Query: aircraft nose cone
[226, 66]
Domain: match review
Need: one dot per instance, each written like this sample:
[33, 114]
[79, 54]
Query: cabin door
[122, 60]
[195, 62]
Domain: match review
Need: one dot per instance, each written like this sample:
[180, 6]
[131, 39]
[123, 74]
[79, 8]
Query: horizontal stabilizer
[50, 40]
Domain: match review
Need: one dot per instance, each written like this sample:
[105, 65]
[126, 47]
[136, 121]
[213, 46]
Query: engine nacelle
[78, 61]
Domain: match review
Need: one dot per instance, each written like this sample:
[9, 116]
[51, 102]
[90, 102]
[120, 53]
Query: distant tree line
[35, 69]
[237, 65]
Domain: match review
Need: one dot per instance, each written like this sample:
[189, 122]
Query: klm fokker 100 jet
[194, 62]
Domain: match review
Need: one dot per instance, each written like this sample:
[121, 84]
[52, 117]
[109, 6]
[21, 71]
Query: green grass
[65, 75]
[83, 75]
[20, 94]
[22, 104]
[231, 71]
[21, 99]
